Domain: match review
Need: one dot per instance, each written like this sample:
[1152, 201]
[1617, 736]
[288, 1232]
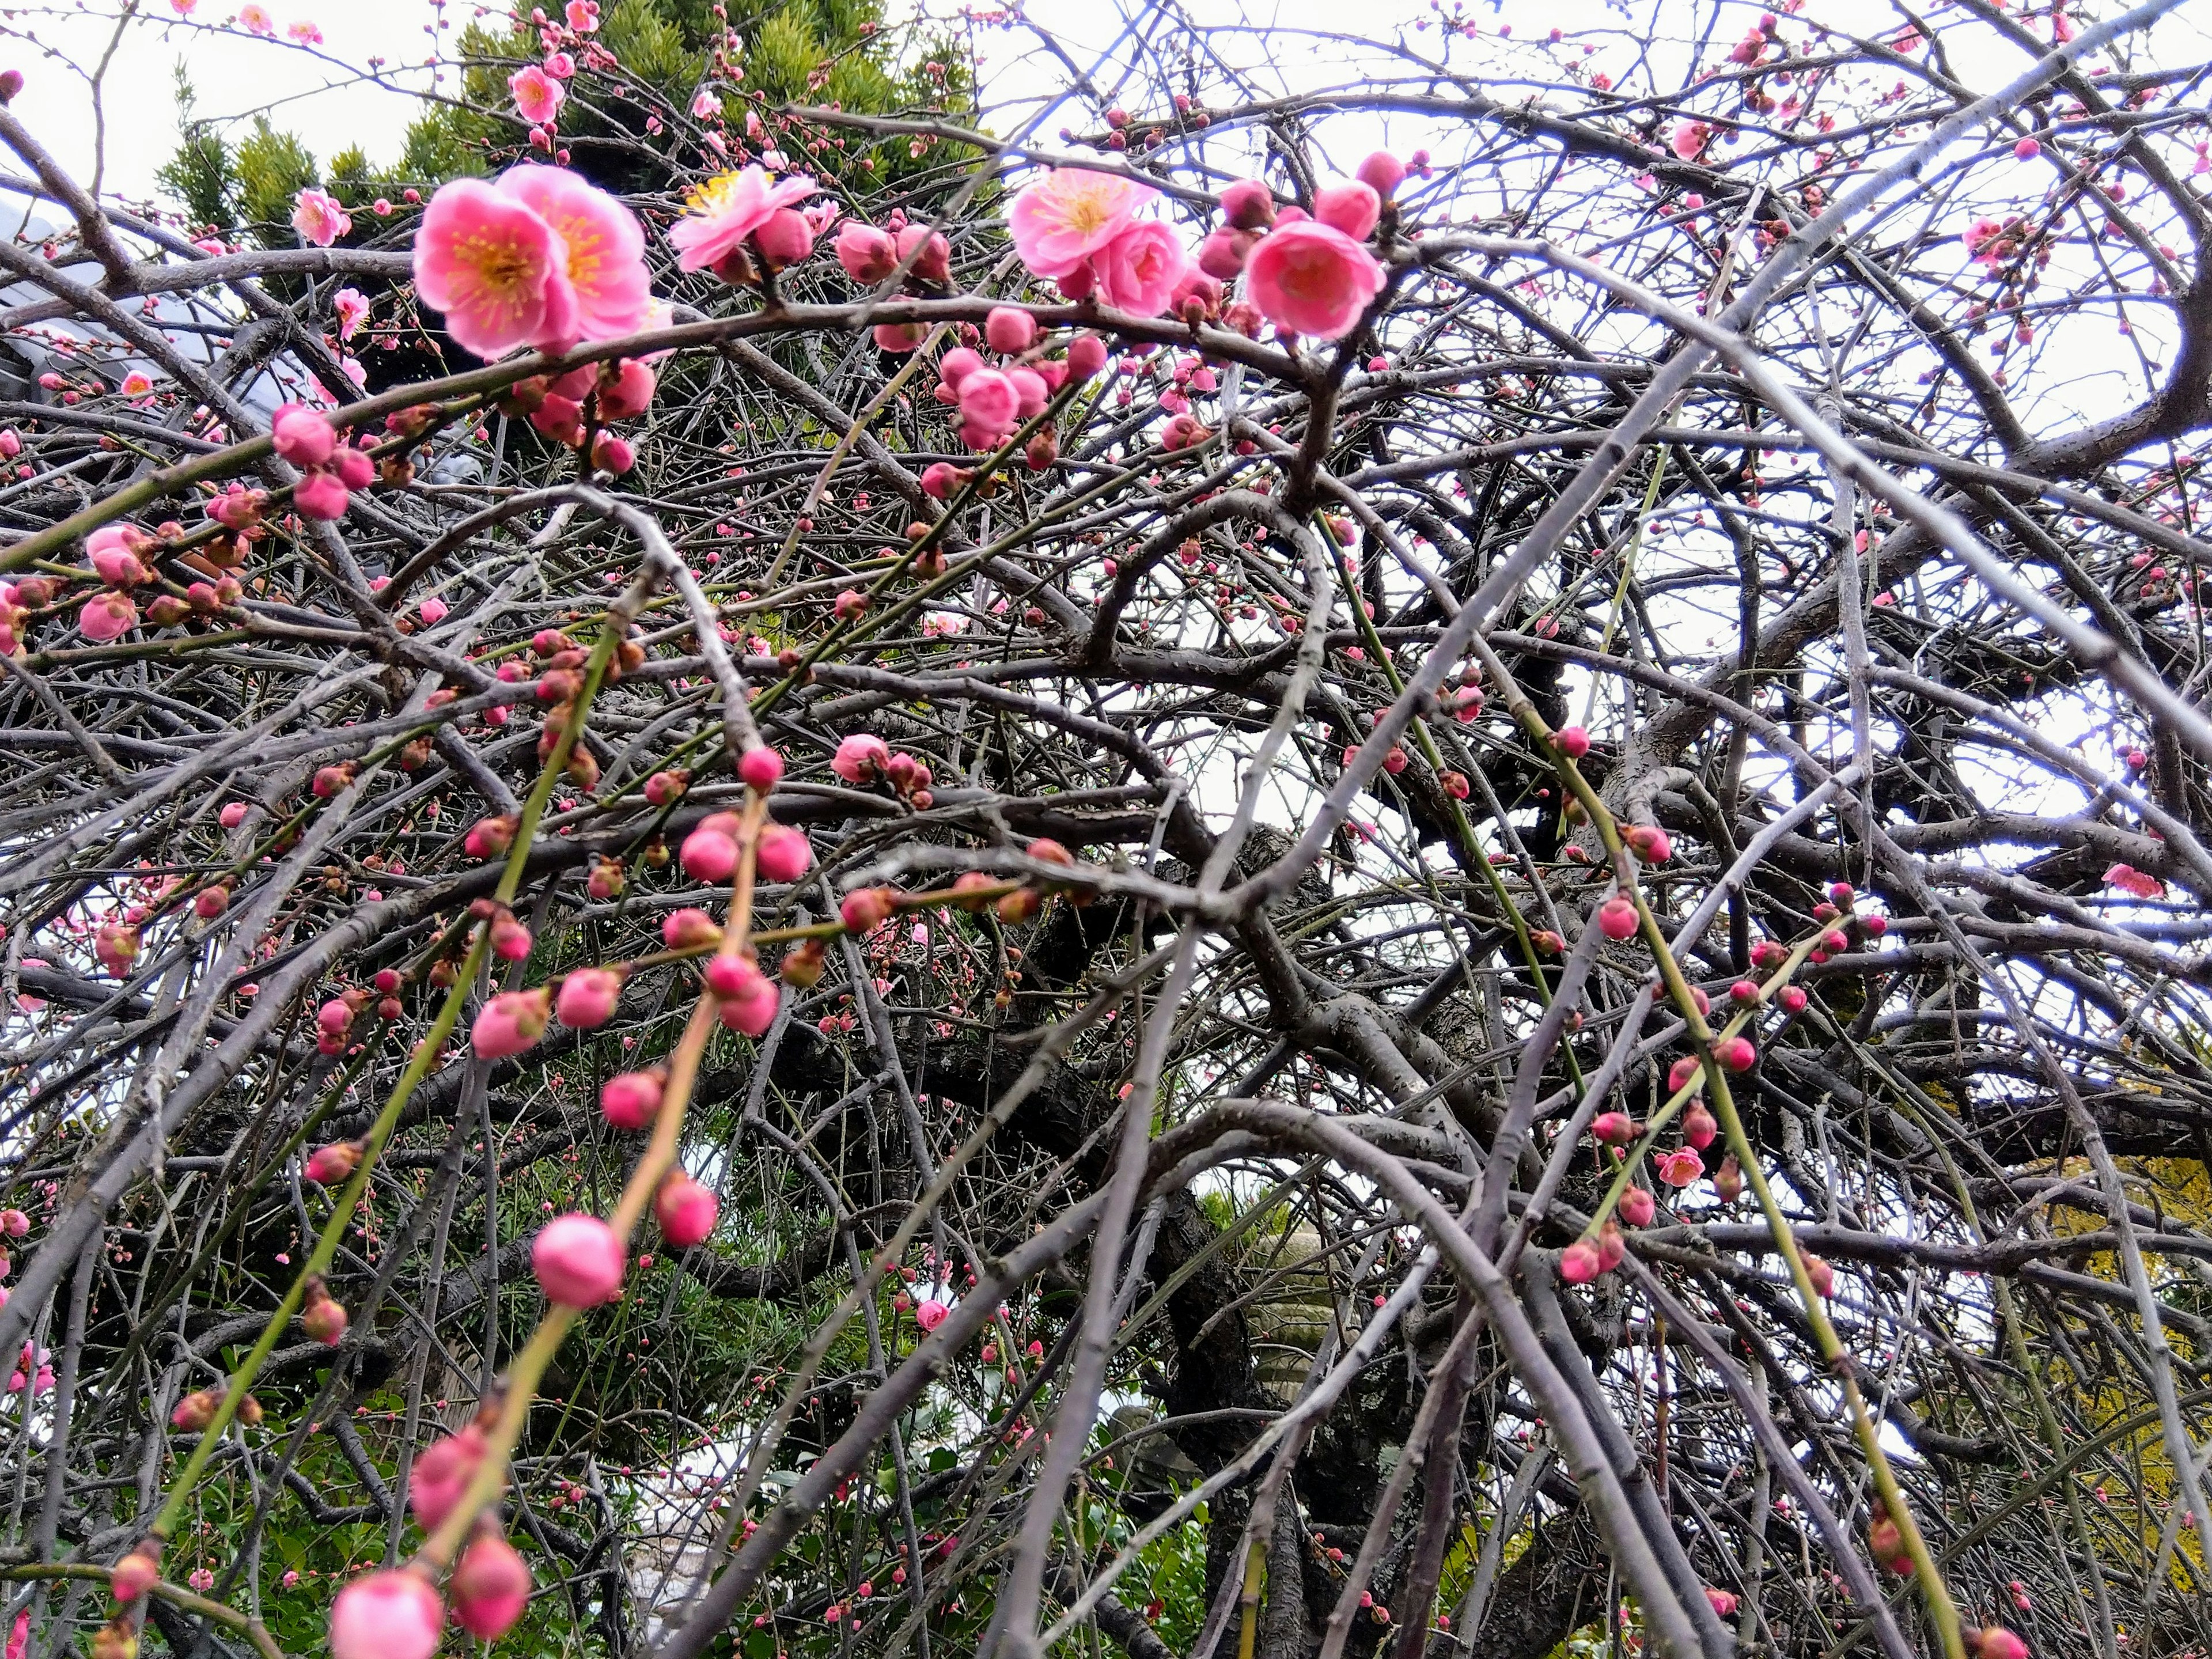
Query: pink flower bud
[710, 854]
[324, 1321]
[1010, 328]
[1792, 998]
[1683, 1071]
[510, 1024]
[612, 452]
[117, 945]
[784, 853]
[488, 838]
[762, 768]
[1994, 1640]
[1616, 919]
[1223, 254]
[232, 814]
[392, 1614]
[1736, 1054]
[1086, 355]
[861, 758]
[588, 997]
[1613, 1128]
[631, 1100]
[1579, 1263]
[732, 976]
[867, 908]
[688, 928]
[1572, 741]
[302, 436]
[784, 239]
[866, 252]
[1698, 1128]
[1249, 204]
[931, 253]
[929, 1313]
[107, 616]
[752, 1013]
[510, 938]
[1381, 172]
[491, 1587]
[685, 1210]
[1649, 843]
[1351, 208]
[134, 1575]
[319, 496]
[579, 1261]
[1638, 1206]
[441, 1474]
[1724, 1602]
[328, 1165]
[939, 479]
[629, 393]
[988, 400]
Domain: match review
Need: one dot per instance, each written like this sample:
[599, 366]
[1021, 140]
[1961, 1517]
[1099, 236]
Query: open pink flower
[307, 34]
[583, 17]
[317, 215]
[726, 209]
[1138, 269]
[537, 96]
[1072, 213]
[495, 268]
[605, 248]
[1312, 280]
[1679, 1167]
[352, 306]
[256, 19]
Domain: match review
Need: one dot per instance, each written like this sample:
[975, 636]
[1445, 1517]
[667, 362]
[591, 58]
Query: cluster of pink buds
[197, 1409]
[745, 999]
[334, 1020]
[17, 600]
[863, 758]
[1586, 1258]
[870, 254]
[558, 406]
[119, 553]
[332, 467]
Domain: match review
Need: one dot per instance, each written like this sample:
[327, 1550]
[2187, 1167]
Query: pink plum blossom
[1138, 269]
[256, 19]
[351, 306]
[605, 248]
[1312, 279]
[537, 96]
[317, 215]
[728, 208]
[495, 268]
[1071, 214]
